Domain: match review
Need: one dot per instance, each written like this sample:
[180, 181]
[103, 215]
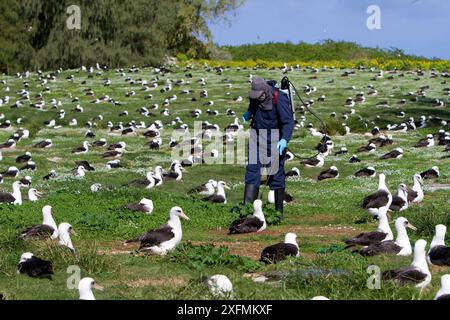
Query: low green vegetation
[323, 214]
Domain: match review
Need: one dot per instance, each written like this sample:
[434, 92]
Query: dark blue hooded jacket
[280, 117]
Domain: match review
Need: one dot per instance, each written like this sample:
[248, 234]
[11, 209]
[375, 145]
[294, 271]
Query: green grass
[322, 215]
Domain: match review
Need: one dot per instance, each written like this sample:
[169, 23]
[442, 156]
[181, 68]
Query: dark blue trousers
[264, 158]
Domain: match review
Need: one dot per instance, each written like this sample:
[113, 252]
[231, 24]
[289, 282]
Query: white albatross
[15, 197]
[85, 287]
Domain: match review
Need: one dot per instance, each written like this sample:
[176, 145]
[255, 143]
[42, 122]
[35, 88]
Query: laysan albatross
[281, 251]
[254, 223]
[165, 239]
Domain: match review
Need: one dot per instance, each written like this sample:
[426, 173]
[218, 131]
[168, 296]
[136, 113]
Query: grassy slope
[323, 213]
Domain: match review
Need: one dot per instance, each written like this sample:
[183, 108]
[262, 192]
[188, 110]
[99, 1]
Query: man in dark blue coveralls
[272, 126]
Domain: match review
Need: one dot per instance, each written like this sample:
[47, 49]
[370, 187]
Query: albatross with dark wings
[164, 239]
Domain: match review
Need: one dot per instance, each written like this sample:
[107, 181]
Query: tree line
[35, 34]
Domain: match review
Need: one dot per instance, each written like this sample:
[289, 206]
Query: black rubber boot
[279, 199]
[250, 194]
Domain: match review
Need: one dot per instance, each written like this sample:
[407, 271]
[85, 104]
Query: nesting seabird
[80, 172]
[100, 143]
[400, 200]
[165, 239]
[254, 223]
[51, 175]
[33, 195]
[220, 196]
[271, 197]
[395, 154]
[34, 266]
[174, 174]
[220, 286]
[119, 145]
[418, 273]
[316, 162]
[157, 175]
[24, 158]
[281, 251]
[31, 165]
[12, 172]
[145, 206]
[10, 144]
[83, 149]
[147, 183]
[117, 153]
[15, 197]
[341, 152]
[370, 148]
[85, 164]
[207, 189]
[428, 142]
[85, 287]
[294, 173]
[368, 172]
[44, 144]
[114, 164]
[431, 174]
[383, 233]
[332, 173]
[46, 230]
[444, 292]
[400, 247]
[416, 194]
[439, 254]
[354, 159]
[380, 201]
[64, 232]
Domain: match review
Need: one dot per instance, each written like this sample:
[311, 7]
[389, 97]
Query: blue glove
[282, 145]
[247, 116]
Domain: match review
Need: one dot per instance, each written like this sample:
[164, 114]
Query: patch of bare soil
[117, 248]
[438, 187]
[160, 282]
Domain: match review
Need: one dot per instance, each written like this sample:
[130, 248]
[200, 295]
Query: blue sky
[420, 27]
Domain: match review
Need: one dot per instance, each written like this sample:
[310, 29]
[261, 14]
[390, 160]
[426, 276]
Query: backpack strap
[275, 97]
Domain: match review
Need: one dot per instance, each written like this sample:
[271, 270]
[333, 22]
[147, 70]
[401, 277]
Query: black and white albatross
[368, 172]
[47, 230]
[439, 254]
[316, 162]
[34, 266]
[145, 206]
[400, 200]
[380, 201]
[383, 233]
[418, 273]
[220, 196]
[254, 223]
[399, 247]
[15, 197]
[206, 189]
[444, 292]
[165, 239]
[431, 174]
[281, 251]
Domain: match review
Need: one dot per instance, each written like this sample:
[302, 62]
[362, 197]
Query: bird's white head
[146, 202]
[402, 223]
[178, 213]
[85, 287]
[26, 256]
[290, 238]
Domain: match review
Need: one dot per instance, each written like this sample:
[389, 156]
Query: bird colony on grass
[88, 150]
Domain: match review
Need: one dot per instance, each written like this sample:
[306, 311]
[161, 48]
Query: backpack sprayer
[289, 89]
